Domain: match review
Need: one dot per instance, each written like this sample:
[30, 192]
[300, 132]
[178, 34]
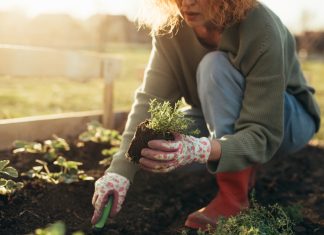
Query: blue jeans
[221, 89]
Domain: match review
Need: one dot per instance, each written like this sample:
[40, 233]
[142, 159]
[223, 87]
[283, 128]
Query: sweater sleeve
[158, 83]
[258, 131]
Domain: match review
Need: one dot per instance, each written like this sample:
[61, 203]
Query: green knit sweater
[263, 50]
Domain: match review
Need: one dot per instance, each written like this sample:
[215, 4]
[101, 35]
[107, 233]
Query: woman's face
[194, 12]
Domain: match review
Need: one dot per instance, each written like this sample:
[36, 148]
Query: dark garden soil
[142, 136]
[159, 204]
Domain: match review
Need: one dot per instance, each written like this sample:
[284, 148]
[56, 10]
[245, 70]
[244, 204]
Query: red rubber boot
[232, 197]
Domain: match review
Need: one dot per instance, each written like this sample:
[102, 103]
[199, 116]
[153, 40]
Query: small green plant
[164, 122]
[108, 153]
[58, 228]
[98, 134]
[8, 186]
[53, 148]
[69, 172]
[257, 220]
[50, 149]
[22, 146]
[167, 119]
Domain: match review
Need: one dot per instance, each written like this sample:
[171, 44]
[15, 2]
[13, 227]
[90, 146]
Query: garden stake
[105, 214]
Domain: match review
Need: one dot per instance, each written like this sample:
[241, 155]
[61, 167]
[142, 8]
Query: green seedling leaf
[61, 161]
[72, 164]
[3, 182]
[28, 147]
[11, 184]
[109, 152]
[98, 134]
[85, 137]
[50, 156]
[57, 144]
[57, 228]
[68, 173]
[8, 186]
[85, 177]
[10, 171]
[3, 164]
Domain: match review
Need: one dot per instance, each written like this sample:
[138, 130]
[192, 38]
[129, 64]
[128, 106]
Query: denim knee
[220, 90]
[216, 72]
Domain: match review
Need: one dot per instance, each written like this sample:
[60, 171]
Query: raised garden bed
[158, 204]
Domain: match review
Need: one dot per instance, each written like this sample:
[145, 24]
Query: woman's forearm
[216, 150]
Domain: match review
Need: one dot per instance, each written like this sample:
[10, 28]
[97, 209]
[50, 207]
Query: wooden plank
[111, 70]
[66, 125]
[108, 95]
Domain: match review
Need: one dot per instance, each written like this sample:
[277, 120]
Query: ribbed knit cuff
[230, 159]
[120, 165]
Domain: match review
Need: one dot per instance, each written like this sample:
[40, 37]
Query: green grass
[21, 97]
[314, 72]
[28, 96]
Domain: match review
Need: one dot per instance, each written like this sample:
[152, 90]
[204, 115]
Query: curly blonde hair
[163, 16]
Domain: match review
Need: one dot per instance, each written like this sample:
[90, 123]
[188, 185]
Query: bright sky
[290, 11]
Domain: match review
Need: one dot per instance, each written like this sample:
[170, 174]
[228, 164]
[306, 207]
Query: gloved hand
[109, 184]
[164, 156]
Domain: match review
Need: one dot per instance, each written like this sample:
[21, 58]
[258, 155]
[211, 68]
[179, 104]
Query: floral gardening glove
[164, 156]
[109, 184]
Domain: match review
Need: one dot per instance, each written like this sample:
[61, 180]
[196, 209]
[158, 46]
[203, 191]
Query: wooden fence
[47, 62]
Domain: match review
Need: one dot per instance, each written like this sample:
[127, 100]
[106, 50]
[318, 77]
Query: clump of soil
[141, 138]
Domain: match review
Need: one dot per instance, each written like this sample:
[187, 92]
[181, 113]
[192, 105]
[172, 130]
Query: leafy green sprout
[257, 220]
[50, 149]
[8, 186]
[53, 147]
[58, 228]
[98, 134]
[69, 172]
[166, 118]
[108, 153]
[22, 146]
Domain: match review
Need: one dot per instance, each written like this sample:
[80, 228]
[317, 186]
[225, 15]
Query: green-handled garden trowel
[104, 216]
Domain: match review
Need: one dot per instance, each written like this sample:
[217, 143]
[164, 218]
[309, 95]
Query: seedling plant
[257, 220]
[165, 120]
[49, 149]
[57, 228]
[7, 185]
[69, 172]
[97, 134]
